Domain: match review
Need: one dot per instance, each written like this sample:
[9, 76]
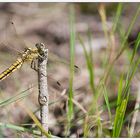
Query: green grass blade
[19, 96]
[123, 45]
[19, 128]
[123, 94]
[91, 62]
[90, 45]
[94, 106]
[89, 65]
[107, 101]
[70, 113]
[135, 48]
[72, 47]
[120, 89]
[117, 17]
[119, 118]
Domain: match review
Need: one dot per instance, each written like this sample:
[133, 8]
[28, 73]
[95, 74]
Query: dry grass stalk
[43, 97]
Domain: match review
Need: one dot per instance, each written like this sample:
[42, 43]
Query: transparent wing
[55, 59]
[8, 53]
[12, 39]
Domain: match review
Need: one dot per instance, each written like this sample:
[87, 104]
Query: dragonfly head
[41, 49]
[39, 45]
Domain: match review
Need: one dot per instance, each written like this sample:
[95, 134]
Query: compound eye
[36, 44]
[41, 44]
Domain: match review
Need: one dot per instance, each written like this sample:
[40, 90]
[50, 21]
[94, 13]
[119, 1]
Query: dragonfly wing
[55, 59]
[12, 38]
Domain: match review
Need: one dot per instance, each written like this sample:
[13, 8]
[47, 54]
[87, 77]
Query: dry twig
[43, 97]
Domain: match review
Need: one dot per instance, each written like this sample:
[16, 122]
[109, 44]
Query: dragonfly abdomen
[16, 65]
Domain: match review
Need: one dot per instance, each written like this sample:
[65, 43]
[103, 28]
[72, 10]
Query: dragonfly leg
[34, 65]
[40, 56]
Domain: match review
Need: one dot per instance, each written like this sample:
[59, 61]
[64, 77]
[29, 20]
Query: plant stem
[43, 97]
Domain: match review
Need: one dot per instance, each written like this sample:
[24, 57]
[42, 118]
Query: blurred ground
[49, 23]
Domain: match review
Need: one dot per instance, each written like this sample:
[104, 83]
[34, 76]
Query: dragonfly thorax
[29, 54]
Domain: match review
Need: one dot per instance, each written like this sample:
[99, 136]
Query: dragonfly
[27, 55]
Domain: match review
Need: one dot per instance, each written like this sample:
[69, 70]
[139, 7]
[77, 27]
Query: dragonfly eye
[40, 45]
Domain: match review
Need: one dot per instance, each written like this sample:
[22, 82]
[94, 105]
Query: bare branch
[43, 97]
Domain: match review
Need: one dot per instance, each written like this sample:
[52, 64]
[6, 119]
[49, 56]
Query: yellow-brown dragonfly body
[28, 55]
